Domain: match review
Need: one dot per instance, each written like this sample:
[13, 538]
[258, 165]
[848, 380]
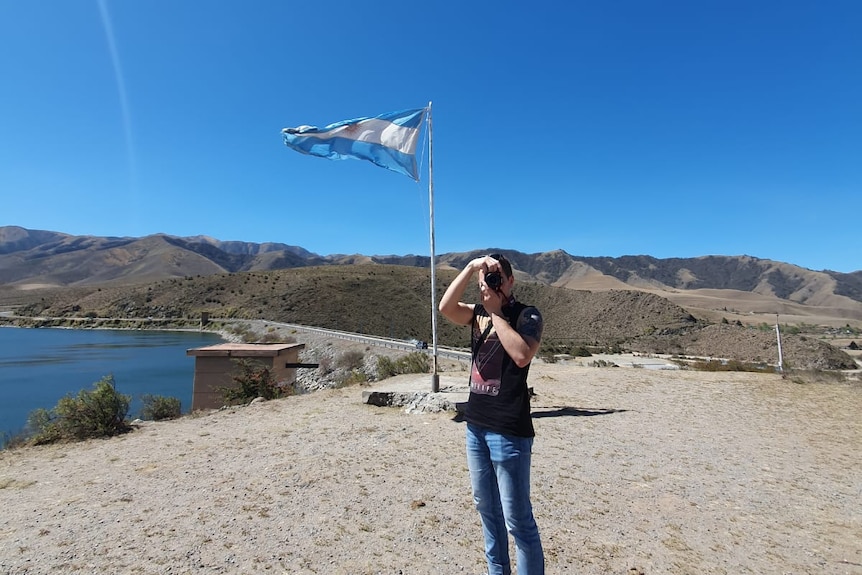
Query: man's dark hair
[504, 264]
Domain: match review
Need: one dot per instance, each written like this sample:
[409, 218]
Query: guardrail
[442, 351]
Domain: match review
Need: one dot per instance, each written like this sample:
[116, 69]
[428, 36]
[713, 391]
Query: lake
[40, 366]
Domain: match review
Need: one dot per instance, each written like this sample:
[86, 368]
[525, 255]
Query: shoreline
[224, 334]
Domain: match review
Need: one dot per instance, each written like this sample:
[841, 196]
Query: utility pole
[780, 356]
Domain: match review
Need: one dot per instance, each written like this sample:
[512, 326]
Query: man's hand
[492, 300]
[461, 313]
[486, 265]
[451, 305]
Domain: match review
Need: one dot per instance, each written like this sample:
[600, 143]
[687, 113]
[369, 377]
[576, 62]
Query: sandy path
[635, 471]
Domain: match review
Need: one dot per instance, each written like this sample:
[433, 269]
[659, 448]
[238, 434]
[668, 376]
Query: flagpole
[780, 354]
[435, 378]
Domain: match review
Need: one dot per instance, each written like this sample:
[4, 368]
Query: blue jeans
[500, 476]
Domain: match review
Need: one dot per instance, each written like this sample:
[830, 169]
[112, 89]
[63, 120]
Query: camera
[494, 280]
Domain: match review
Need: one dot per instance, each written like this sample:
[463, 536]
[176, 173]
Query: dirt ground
[635, 471]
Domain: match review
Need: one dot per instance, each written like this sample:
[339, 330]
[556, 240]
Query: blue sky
[664, 128]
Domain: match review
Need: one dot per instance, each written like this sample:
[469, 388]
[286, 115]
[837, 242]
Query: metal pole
[780, 355]
[435, 378]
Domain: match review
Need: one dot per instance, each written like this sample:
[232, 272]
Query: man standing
[505, 337]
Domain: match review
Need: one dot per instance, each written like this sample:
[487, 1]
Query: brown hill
[394, 301]
[742, 288]
[385, 300]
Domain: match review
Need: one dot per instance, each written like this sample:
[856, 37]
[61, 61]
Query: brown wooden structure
[214, 367]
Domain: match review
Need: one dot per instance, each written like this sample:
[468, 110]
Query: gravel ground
[636, 471]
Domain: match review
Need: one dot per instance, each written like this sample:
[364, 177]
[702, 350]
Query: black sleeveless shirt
[499, 398]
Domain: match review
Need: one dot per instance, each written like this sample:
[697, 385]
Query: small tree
[253, 379]
[97, 413]
[100, 412]
[158, 407]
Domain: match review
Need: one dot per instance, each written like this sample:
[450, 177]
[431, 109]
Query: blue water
[39, 366]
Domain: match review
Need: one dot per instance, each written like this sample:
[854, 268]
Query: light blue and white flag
[388, 140]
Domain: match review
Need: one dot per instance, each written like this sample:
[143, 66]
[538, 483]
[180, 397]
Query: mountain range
[715, 287]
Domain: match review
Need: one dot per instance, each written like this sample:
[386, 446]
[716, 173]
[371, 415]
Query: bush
[416, 362]
[158, 407]
[97, 413]
[549, 349]
[253, 379]
[353, 377]
[273, 336]
[242, 331]
[350, 360]
[730, 365]
[324, 365]
[42, 426]
[816, 376]
[385, 367]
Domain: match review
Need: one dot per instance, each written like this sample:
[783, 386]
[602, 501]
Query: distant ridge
[727, 284]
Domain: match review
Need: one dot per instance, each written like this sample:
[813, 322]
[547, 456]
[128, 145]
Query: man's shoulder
[530, 311]
[530, 322]
[523, 308]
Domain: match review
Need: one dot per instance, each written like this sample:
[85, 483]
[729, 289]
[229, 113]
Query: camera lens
[494, 280]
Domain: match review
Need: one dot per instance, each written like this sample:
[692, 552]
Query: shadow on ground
[555, 412]
[575, 412]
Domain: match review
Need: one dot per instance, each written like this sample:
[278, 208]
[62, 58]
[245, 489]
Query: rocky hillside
[748, 345]
[394, 301]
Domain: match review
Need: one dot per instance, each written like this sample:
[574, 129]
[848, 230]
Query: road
[442, 352]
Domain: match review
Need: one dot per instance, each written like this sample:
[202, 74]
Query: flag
[388, 140]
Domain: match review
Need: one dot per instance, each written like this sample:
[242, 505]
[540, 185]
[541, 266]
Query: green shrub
[730, 365]
[416, 362]
[385, 367]
[159, 407]
[253, 379]
[353, 377]
[42, 426]
[97, 413]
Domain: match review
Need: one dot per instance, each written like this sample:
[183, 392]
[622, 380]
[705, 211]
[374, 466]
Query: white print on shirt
[487, 369]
